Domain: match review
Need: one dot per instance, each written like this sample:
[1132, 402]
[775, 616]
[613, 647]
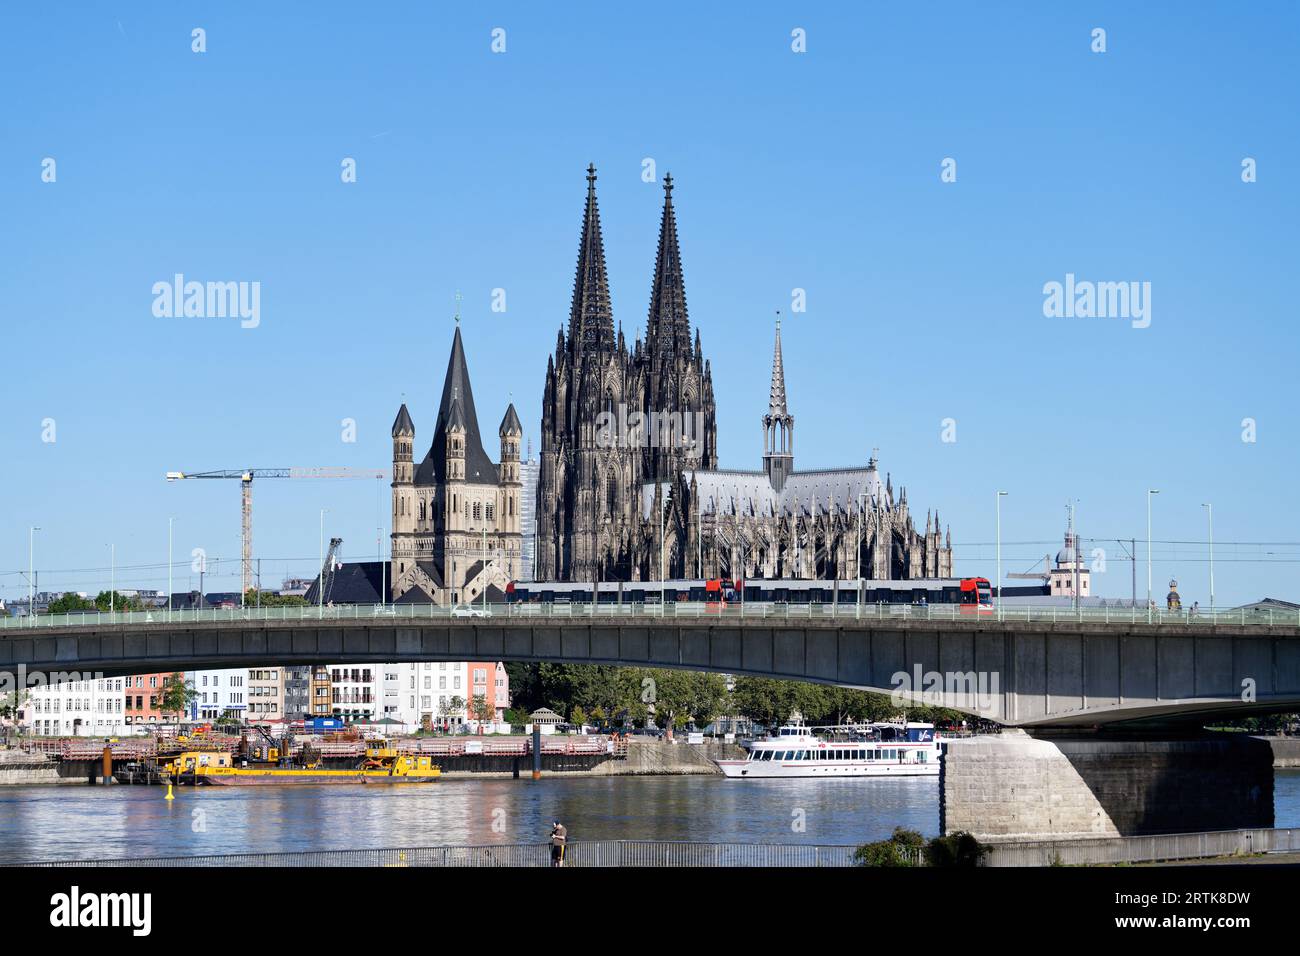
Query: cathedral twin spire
[591, 475]
[591, 318]
[669, 328]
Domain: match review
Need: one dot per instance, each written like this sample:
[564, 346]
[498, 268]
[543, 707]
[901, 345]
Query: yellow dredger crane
[246, 476]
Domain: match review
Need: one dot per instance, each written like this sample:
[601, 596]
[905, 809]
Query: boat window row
[836, 755]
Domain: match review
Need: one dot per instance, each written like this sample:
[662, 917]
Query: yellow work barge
[382, 765]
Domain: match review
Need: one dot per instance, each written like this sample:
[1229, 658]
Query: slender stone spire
[591, 318]
[669, 328]
[778, 423]
[776, 401]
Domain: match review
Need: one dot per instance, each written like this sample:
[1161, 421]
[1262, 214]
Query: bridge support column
[1014, 786]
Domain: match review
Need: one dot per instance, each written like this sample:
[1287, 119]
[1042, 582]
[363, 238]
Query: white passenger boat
[878, 750]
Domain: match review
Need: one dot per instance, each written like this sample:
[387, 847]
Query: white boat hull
[770, 769]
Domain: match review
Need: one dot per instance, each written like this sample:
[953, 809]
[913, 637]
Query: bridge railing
[599, 853]
[662, 853]
[701, 611]
[1145, 849]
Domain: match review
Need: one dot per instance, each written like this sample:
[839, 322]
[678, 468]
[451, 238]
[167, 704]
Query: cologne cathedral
[646, 499]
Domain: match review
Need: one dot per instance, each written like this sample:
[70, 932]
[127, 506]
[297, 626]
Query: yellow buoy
[170, 795]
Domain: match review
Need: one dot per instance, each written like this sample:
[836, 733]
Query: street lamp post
[998, 498]
[1150, 604]
[320, 580]
[699, 539]
[31, 574]
[112, 578]
[1210, 511]
[169, 563]
[862, 505]
[663, 503]
[740, 538]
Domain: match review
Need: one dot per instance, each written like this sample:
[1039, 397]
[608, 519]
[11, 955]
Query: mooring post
[108, 764]
[537, 751]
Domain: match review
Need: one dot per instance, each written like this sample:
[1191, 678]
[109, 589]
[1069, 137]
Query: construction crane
[326, 585]
[245, 477]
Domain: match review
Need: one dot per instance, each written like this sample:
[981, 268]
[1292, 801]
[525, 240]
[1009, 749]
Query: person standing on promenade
[559, 837]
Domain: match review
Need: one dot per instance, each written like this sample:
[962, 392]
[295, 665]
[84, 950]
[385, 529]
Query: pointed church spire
[776, 400]
[591, 318]
[402, 425]
[669, 328]
[778, 423]
[457, 410]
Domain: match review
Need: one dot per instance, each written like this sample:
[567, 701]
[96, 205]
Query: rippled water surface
[82, 822]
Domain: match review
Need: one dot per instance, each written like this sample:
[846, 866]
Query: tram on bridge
[973, 594]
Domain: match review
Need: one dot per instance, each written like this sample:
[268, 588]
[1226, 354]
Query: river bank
[643, 758]
[18, 769]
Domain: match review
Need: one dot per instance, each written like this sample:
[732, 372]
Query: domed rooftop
[1066, 556]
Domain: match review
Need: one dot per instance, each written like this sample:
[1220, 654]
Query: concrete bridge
[1021, 673]
[1094, 706]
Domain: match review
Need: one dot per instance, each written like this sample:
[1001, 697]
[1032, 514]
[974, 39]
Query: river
[84, 822]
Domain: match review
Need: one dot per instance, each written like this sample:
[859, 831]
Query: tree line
[599, 693]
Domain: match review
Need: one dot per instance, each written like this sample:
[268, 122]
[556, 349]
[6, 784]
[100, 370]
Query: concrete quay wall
[20, 769]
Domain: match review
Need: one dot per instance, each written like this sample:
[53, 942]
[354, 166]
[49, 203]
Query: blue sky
[817, 171]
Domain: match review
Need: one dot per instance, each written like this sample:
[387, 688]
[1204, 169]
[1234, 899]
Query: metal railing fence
[659, 853]
[599, 853]
[683, 609]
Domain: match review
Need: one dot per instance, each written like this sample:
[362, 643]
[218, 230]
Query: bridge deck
[703, 611]
[1071, 671]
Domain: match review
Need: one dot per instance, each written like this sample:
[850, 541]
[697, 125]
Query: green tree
[176, 695]
[955, 849]
[451, 707]
[117, 601]
[11, 702]
[770, 701]
[901, 849]
[577, 715]
[68, 602]
[481, 709]
[271, 599]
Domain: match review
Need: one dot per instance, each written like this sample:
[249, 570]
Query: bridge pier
[1019, 785]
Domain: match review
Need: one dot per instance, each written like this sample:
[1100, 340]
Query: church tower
[511, 433]
[456, 514]
[588, 505]
[403, 542]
